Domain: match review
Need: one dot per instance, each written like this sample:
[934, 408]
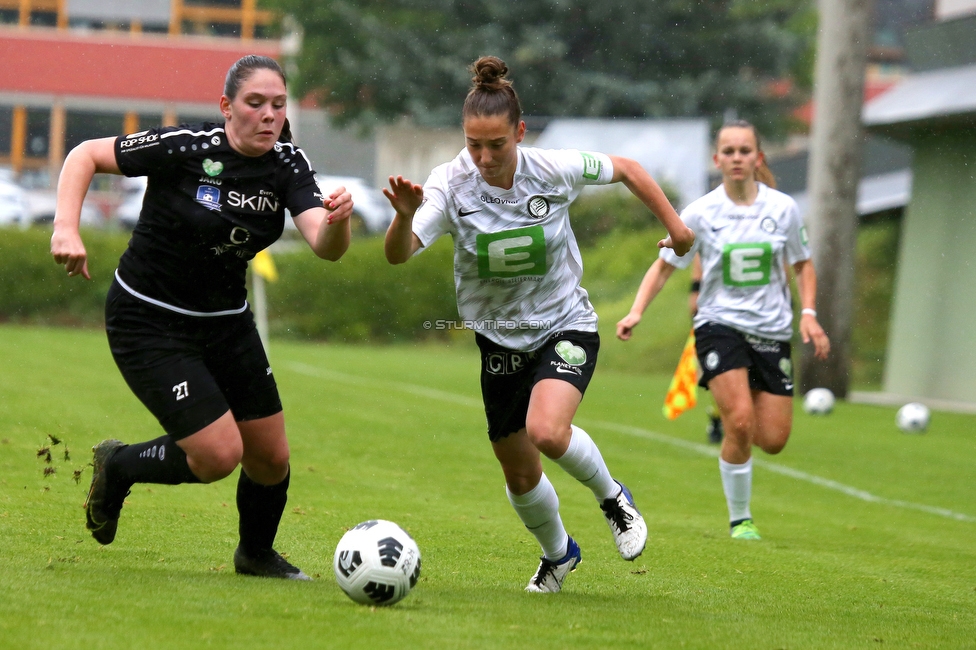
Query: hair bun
[489, 72]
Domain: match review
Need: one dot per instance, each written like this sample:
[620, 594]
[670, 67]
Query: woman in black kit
[177, 316]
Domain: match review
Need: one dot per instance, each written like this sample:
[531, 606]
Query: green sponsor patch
[574, 355]
[511, 253]
[786, 367]
[747, 265]
[591, 166]
[212, 168]
[803, 236]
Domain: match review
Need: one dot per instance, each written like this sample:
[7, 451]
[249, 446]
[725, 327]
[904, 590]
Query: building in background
[931, 351]
[78, 69]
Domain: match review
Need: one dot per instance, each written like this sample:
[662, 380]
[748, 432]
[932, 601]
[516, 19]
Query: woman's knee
[269, 468]
[549, 437]
[213, 463]
[773, 442]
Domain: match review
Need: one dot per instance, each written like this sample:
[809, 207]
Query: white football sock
[539, 511]
[737, 483]
[584, 462]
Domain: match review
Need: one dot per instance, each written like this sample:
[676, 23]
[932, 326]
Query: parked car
[42, 204]
[369, 204]
[133, 190]
[14, 209]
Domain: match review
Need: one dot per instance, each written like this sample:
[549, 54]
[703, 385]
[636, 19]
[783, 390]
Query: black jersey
[206, 212]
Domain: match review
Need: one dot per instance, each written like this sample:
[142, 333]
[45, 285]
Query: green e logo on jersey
[513, 252]
[746, 265]
[591, 166]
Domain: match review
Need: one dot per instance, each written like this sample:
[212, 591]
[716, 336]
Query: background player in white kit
[517, 272]
[746, 233]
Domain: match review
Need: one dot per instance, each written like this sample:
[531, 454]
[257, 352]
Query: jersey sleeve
[597, 168]
[146, 152]
[797, 247]
[302, 191]
[431, 220]
[578, 168]
[667, 254]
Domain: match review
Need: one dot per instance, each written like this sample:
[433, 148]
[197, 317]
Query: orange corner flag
[683, 392]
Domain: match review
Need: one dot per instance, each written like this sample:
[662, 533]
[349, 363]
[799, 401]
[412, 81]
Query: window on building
[85, 125]
[150, 120]
[213, 3]
[38, 133]
[6, 129]
[44, 18]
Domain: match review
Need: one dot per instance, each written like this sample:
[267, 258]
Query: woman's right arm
[81, 165]
[650, 286]
[401, 242]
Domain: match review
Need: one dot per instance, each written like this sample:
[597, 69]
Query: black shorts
[189, 370]
[722, 348]
[508, 376]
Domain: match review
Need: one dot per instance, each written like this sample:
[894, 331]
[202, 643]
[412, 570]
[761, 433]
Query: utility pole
[835, 169]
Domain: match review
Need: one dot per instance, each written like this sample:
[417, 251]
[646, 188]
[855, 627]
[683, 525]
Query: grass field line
[857, 493]
[638, 432]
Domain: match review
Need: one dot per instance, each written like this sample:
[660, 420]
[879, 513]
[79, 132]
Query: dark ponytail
[285, 135]
[763, 174]
[492, 94]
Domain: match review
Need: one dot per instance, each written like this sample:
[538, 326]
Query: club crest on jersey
[538, 206]
[768, 225]
[209, 197]
[712, 359]
[212, 168]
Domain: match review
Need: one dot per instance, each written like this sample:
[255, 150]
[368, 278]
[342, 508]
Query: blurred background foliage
[378, 60]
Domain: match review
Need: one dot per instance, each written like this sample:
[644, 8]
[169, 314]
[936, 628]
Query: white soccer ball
[913, 418]
[377, 563]
[818, 401]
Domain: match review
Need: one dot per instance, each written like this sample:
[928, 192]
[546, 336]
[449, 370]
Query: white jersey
[517, 267]
[743, 252]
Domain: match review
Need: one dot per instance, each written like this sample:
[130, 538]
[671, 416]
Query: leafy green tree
[372, 60]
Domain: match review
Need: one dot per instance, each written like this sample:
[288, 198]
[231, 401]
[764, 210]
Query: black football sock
[260, 507]
[156, 461]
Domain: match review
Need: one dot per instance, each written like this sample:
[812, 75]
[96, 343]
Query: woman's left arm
[630, 172]
[810, 330]
[327, 229]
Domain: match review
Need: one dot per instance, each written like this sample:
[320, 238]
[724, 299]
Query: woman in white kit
[746, 234]
[517, 271]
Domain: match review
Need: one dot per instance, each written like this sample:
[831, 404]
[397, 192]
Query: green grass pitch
[869, 535]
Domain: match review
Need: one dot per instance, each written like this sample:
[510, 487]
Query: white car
[133, 190]
[42, 204]
[369, 204]
[14, 210]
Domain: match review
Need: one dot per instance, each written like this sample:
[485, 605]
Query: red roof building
[69, 77]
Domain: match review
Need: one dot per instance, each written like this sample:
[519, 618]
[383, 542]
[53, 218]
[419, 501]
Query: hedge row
[361, 297]
[33, 289]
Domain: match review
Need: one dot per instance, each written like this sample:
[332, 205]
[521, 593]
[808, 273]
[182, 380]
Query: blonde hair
[763, 174]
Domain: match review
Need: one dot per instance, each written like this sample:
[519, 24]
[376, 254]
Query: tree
[835, 163]
[381, 59]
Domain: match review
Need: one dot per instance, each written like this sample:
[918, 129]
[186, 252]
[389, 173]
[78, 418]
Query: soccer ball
[377, 563]
[819, 401]
[913, 418]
